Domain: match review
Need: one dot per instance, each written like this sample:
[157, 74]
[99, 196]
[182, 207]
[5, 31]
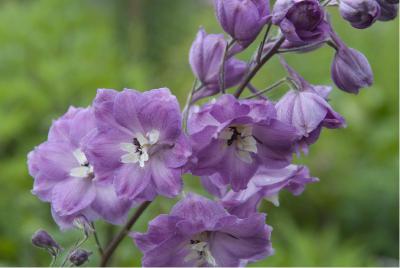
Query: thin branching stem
[261, 47]
[271, 87]
[108, 252]
[222, 70]
[77, 245]
[189, 103]
[256, 68]
[97, 240]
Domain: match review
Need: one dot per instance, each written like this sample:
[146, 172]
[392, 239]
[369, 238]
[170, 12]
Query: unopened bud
[360, 13]
[389, 9]
[79, 256]
[42, 239]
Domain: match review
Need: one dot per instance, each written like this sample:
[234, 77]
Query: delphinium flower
[139, 147]
[65, 177]
[200, 232]
[350, 69]
[360, 13]
[234, 137]
[242, 19]
[265, 184]
[206, 57]
[306, 108]
[130, 147]
[301, 21]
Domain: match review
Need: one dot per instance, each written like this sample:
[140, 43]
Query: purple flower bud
[301, 21]
[360, 13]
[350, 68]
[307, 110]
[42, 239]
[79, 256]
[389, 9]
[205, 57]
[242, 19]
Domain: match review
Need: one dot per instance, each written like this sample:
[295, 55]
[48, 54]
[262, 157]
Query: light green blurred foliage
[57, 53]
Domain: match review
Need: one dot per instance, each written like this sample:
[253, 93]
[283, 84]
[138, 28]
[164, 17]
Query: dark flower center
[139, 148]
[235, 135]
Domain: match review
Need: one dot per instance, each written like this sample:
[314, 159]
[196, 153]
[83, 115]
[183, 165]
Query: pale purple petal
[72, 195]
[130, 180]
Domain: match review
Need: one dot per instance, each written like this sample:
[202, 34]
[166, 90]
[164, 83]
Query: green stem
[255, 70]
[97, 240]
[274, 85]
[261, 47]
[124, 231]
[189, 103]
[77, 245]
[222, 70]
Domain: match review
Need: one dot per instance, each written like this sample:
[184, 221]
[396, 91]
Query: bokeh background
[57, 53]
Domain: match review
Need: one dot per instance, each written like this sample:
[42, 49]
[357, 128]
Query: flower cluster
[129, 147]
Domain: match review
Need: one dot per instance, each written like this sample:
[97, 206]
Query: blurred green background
[57, 53]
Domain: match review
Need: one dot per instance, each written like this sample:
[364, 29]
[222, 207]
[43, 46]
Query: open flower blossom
[301, 21]
[65, 177]
[206, 57]
[139, 147]
[234, 137]
[200, 232]
[307, 109]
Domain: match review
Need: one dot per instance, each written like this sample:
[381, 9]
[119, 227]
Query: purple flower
[234, 137]
[301, 21]
[389, 9]
[266, 184]
[139, 146]
[65, 177]
[306, 109]
[242, 19]
[360, 13]
[205, 57]
[350, 68]
[200, 232]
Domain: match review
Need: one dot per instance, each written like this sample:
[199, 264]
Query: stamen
[137, 150]
[199, 251]
[243, 140]
[84, 170]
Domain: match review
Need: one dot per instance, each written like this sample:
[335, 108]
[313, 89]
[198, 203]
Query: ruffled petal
[73, 195]
[131, 180]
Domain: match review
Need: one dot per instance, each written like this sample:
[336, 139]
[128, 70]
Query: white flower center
[138, 150]
[199, 251]
[85, 170]
[241, 137]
